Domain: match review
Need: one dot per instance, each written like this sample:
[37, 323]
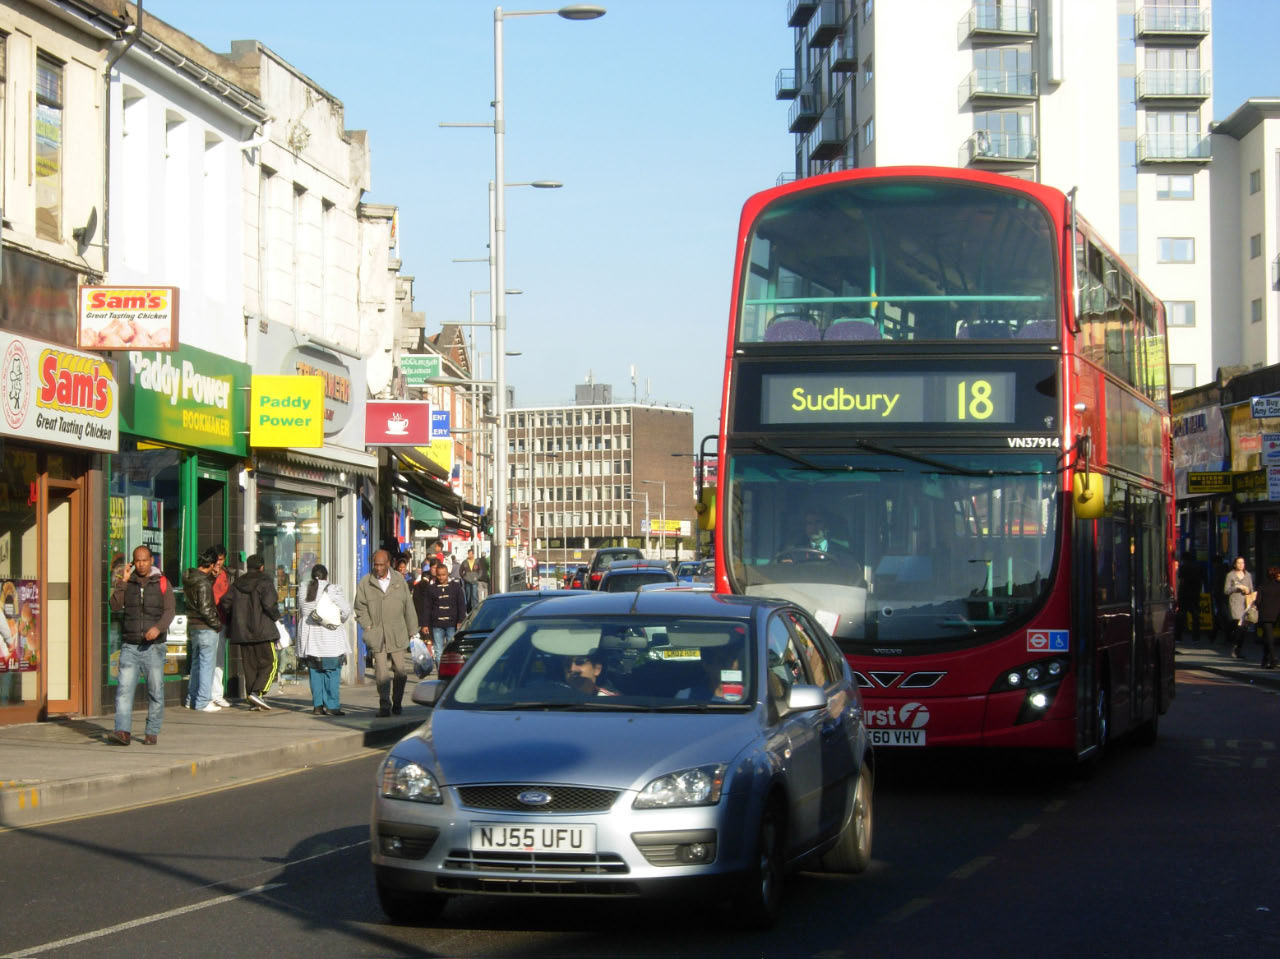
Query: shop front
[176, 484]
[60, 417]
[314, 505]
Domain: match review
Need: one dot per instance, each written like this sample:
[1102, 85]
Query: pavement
[65, 768]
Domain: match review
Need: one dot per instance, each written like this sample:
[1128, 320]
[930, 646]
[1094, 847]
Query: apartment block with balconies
[1112, 97]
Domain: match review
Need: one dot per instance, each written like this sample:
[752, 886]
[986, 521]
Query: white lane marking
[907, 910]
[275, 868]
[1025, 830]
[135, 923]
[972, 866]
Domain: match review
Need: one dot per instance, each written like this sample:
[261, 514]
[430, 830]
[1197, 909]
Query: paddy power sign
[187, 397]
[287, 411]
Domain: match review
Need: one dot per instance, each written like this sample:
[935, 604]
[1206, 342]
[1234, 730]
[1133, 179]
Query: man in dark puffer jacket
[144, 599]
[203, 624]
[251, 605]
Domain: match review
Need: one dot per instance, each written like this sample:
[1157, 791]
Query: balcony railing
[788, 177]
[987, 18]
[1173, 84]
[992, 146]
[1174, 148]
[844, 55]
[785, 85]
[825, 25]
[1172, 22]
[804, 112]
[799, 12]
[828, 139]
[998, 84]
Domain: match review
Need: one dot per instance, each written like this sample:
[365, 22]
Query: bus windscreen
[898, 260]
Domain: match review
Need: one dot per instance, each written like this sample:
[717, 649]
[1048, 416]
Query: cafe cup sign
[128, 318]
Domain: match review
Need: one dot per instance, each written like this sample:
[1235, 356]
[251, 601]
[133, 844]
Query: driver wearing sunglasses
[583, 673]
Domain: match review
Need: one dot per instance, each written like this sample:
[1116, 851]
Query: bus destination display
[975, 399]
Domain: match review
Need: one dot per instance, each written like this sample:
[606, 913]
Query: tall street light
[574, 11]
[663, 540]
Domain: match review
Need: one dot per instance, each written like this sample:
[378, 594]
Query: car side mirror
[428, 693]
[803, 698]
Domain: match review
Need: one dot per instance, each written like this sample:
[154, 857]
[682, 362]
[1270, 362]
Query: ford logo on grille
[534, 797]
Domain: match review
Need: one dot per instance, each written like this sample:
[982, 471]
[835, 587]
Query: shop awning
[327, 458]
[416, 458]
[424, 512]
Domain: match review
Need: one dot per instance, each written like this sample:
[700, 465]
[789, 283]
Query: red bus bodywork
[1130, 670]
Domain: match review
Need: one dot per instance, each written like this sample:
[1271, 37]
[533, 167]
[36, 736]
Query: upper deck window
[900, 260]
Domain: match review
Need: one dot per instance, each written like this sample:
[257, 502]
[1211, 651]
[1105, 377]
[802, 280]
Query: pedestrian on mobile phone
[144, 598]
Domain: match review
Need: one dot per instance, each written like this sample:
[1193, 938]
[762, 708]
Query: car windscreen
[628, 662]
[605, 560]
[489, 614]
[626, 582]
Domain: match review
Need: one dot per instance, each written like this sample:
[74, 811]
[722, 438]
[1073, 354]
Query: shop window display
[292, 538]
[21, 654]
[144, 509]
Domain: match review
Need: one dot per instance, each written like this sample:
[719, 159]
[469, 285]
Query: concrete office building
[594, 473]
[1111, 96]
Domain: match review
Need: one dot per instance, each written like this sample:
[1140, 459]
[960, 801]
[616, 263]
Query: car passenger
[718, 682]
[583, 673]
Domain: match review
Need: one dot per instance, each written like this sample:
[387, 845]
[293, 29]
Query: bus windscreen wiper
[942, 467]
[767, 447]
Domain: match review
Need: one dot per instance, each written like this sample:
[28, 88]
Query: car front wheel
[760, 900]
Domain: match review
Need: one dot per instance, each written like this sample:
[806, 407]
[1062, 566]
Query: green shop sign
[187, 397]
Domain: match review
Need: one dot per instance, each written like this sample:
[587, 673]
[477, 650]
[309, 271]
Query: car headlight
[699, 786]
[404, 779]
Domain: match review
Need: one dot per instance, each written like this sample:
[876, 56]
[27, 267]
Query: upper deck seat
[853, 328]
[791, 328]
[1038, 330]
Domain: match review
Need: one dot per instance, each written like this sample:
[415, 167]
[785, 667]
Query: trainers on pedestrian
[211, 707]
[258, 701]
[221, 702]
[119, 738]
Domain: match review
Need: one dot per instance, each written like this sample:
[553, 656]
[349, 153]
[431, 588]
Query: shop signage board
[1273, 484]
[672, 527]
[286, 411]
[128, 318]
[60, 396]
[1264, 407]
[1204, 484]
[313, 361]
[189, 397]
[418, 368]
[1271, 449]
[397, 422]
[440, 425]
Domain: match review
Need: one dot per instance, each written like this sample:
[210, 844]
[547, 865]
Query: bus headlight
[1039, 681]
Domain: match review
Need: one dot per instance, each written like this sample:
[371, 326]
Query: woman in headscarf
[322, 640]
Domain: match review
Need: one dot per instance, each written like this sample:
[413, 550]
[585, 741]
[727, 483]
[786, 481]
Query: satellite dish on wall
[84, 234]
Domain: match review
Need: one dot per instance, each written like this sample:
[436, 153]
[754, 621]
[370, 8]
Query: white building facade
[1112, 97]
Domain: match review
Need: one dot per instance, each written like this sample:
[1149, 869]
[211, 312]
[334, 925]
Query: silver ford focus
[627, 745]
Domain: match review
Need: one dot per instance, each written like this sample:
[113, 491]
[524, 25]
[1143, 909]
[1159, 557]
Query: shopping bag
[327, 612]
[285, 640]
[423, 661]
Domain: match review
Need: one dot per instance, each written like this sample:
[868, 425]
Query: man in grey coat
[384, 609]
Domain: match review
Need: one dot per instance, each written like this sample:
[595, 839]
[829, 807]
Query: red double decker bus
[945, 432]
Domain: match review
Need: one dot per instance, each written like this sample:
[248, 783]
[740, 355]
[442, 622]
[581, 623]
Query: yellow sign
[439, 452]
[286, 411]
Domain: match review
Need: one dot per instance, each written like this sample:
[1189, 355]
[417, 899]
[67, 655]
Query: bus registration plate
[508, 837]
[896, 737]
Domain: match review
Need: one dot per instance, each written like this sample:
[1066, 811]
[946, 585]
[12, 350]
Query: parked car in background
[606, 557]
[688, 569]
[482, 621]
[631, 574]
[655, 744]
[577, 579]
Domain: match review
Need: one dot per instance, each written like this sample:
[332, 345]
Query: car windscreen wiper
[767, 447]
[589, 705]
[941, 466]
[701, 707]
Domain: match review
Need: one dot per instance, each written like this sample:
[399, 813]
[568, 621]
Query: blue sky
[660, 120]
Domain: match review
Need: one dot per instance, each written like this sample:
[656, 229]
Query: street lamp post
[576, 11]
[663, 538]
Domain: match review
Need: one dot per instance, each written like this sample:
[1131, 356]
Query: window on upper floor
[4, 72]
[48, 147]
[1180, 312]
[1255, 246]
[866, 10]
[1255, 181]
[867, 71]
[1175, 187]
[1182, 376]
[1176, 249]
[869, 131]
[1255, 310]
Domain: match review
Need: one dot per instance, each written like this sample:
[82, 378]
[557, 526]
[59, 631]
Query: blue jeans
[149, 659]
[442, 635]
[326, 681]
[202, 642]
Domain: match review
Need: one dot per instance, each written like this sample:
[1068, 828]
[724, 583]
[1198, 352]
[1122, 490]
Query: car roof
[626, 565]
[667, 602]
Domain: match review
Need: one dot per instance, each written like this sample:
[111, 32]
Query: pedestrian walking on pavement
[1268, 613]
[384, 609]
[252, 616]
[471, 580]
[322, 642]
[221, 583]
[144, 598]
[203, 625]
[1190, 586]
[441, 607]
[1238, 588]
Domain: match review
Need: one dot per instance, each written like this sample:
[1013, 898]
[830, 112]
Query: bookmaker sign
[58, 395]
[187, 397]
